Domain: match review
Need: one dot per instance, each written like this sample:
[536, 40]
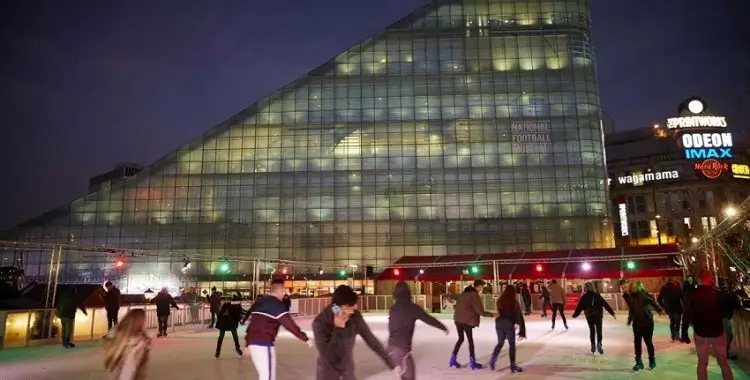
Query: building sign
[622, 208]
[707, 145]
[531, 136]
[741, 171]
[697, 122]
[711, 168]
[640, 178]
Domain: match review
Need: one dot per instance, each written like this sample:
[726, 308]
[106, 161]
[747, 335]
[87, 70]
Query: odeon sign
[707, 145]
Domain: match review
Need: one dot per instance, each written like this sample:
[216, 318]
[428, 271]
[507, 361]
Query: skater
[592, 305]
[66, 311]
[467, 312]
[266, 316]
[705, 309]
[670, 298]
[128, 352]
[401, 320]
[287, 301]
[230, 315]
[545, 300]
[214, 305]
[557, 298]
[509, 316]
[687, 289]
[336, 329]
[111, 298]
[642, 319]
[526, 295]
[732, 303]
[164, 302]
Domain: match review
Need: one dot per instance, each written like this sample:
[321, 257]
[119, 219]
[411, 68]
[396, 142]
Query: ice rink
[545, 354]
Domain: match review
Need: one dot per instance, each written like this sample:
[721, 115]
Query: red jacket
[266, 316]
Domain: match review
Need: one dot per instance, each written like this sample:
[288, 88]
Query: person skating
[557, 298]
[336, 329]
[66, 311]
[642, 319]
[267, 314]
[287, 301]
[592, 305]
[705, 310]
[214, 305]
[164, 302]
[467, 312]
[402, 318]
[526, 295]
[670, 298]
[732, 303]
[508, 317]
[229, 318]
[687, 289]
[545, 300]
[128, 352]
[111, 298]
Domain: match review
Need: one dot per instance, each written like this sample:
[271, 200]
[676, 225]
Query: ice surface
[544, 355]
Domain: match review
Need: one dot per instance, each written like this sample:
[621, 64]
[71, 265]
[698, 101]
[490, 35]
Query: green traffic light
[630, 265]
[224, 267]
[475, 269]
[343, 273]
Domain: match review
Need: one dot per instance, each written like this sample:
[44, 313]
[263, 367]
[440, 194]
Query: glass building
[469, 126]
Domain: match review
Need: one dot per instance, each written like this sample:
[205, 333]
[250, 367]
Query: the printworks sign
[701, 146]
[531, 136]
[641, 178]
[696, 120]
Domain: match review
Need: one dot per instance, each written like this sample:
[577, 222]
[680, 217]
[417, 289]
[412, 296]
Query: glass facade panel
[467, 127]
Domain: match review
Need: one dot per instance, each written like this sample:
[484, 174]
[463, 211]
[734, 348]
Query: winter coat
[545, 296]
[66, 307]
[230, 315]
[639, 308]
[287, 302]
[266, 316]
[556, 294]
[592, 304]
[670, 297]
[112, 299]
[163, 302]
[526, 295]
[514, 316]
[403, 316]
[214, 302]
[706, 308]
[336, 345]
[469, 308]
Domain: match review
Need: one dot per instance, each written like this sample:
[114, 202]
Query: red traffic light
[539, 268]
[283, 271]
[120, 263]
[396, 272]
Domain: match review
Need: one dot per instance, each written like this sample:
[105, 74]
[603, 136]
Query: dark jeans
[163, 322]
[544, 308]
[728, 332]
[595, 330]
[464, 329]
[221, 339]
[112, 318]
[505, 331]
[558, 308]
[527, 306]
[67, 329]
[213, 319]
[403, 358]
[674, 325]
[643, 333]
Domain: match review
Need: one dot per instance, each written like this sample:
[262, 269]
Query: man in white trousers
[266, 315]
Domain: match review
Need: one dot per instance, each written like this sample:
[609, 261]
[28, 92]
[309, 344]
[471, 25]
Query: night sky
[87, 84]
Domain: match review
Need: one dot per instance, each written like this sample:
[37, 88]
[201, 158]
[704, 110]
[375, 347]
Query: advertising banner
[571, 300]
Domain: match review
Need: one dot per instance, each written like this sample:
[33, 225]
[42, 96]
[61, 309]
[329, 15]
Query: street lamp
[730, 211]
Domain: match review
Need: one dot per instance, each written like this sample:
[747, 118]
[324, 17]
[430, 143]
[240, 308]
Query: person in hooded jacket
[687, 289]
[592, 305]
[508, 317]
[642, 320]
[287, 302]
[214, 305]
[402, 318]
[545, 301]
[230, 315]
[163, 302]
[557, 297]
[670, 298]
[66, 311]
[526, 295]
[467, 312]
[111, 298]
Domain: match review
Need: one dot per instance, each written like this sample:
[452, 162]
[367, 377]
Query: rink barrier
[36, 327]
[489, 301]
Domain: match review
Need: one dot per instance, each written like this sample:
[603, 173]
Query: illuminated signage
[697, 122]
[707, 145]
[623, 209]
[741, 171]
[711, 168]
[637, 179]
[531, 136]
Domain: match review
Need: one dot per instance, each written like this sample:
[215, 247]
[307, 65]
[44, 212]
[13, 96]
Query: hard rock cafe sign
[711, 168]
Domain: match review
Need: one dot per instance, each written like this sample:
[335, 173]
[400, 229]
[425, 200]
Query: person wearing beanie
[592, 305]
[642, 320]
[467, 313]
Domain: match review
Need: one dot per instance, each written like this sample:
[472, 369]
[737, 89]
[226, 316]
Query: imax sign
[700, 146]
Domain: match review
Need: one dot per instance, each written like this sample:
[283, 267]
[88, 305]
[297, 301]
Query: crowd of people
[336, 327]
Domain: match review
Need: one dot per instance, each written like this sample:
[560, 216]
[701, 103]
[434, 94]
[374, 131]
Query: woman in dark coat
[229, 318]
[592, 305]
[526, 295]
[509, 315]
[163, 302]
[642, 319]
[545, 300]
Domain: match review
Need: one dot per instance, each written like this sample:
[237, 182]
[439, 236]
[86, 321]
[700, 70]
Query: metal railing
[24, 328]
[447, 301]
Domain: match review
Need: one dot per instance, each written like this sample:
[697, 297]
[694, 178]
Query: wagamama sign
[637, 179]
